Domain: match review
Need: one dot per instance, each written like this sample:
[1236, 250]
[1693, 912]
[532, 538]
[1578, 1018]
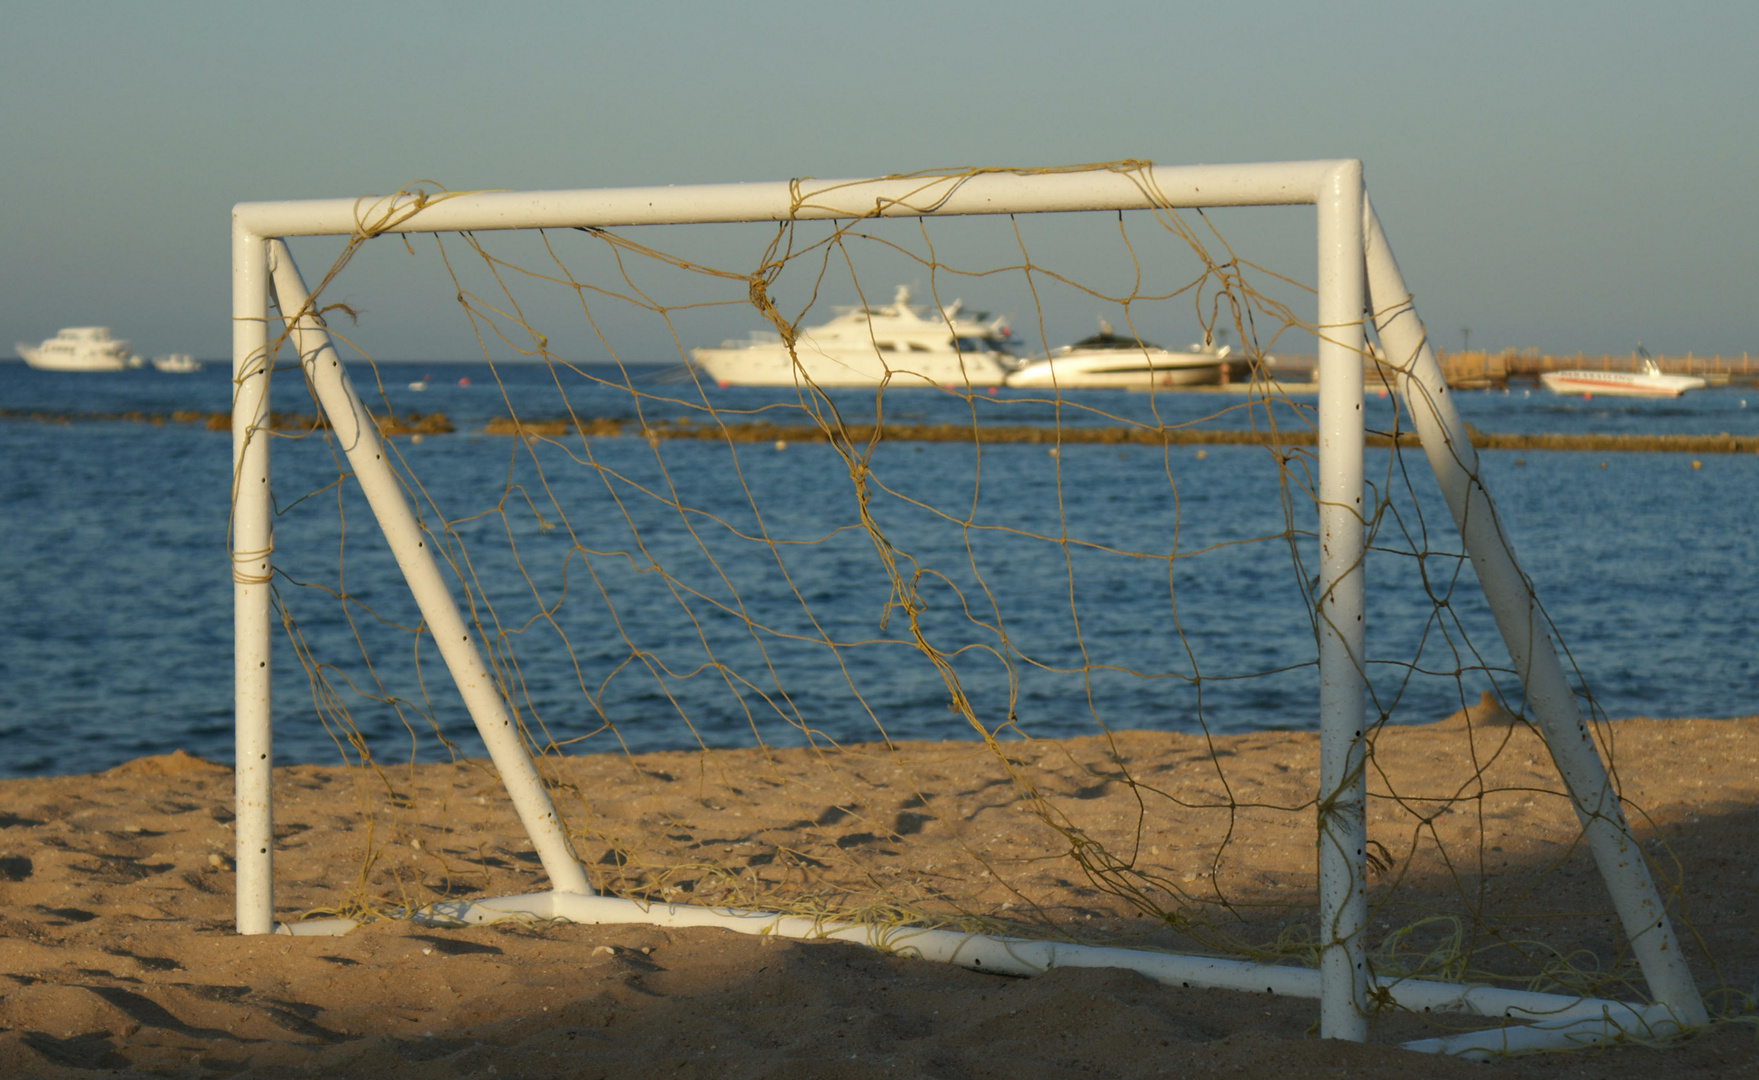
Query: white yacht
[80, 348]
[177, 363]
[1650, 382]
[1108, 360]
[863, 346]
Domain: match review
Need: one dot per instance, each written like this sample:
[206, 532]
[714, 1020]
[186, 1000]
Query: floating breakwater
[409, 424]
[763, 431]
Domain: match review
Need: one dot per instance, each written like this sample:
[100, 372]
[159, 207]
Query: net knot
[242, 559]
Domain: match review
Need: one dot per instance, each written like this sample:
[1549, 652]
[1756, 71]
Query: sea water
[115, 585]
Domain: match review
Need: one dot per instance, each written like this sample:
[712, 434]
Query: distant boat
[421, 383]
[1650, 382]
[177, 363]
[864, 346]
[1108, 360]
[80, 348]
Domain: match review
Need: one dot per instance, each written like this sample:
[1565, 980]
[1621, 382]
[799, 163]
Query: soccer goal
[799, 561]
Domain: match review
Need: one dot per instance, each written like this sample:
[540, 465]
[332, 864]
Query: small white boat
[1649, 382]
[177, 363]
[80, 348]
[1110, 361]
[421, 383]
[864, 346]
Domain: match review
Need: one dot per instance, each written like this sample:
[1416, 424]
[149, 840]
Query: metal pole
[1343, 838]
[1289, 183]
[252, 542]
[1522, 623]
[358, 436]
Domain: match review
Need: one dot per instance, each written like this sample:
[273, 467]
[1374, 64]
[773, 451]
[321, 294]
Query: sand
[116, 892]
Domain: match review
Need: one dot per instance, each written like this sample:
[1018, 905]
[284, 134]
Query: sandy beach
[117, 956]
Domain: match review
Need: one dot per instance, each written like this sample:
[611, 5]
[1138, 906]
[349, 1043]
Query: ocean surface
[642, 612]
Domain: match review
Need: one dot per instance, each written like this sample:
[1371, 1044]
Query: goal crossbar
[1356, 273]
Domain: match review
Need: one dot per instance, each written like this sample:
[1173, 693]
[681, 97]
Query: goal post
[1358, 282]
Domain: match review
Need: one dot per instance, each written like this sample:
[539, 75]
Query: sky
[1562, 176]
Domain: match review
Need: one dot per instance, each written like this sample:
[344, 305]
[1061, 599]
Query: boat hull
[1620, 383]
[1120, 369]
[771, 365]
[36, 358]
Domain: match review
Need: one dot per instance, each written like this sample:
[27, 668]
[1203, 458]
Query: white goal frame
[1356, 275]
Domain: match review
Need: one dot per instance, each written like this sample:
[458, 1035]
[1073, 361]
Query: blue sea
[647, 610]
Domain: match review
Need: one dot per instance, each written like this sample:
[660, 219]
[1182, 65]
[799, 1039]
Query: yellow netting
[739, 624]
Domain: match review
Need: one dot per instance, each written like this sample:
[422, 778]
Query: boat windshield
[1109, 340]
[973, 345]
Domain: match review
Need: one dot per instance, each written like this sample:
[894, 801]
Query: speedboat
[1108, 360]
[864, 346]
[80, 348]
[1649, 382]
[177, 363]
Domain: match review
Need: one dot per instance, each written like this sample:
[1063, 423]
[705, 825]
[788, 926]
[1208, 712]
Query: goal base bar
[1558, 1021]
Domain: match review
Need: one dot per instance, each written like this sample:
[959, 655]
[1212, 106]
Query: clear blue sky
[1566, 176]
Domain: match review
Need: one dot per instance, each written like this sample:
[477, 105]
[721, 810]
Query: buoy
[1053, 452]
[1201, 454]
[723, 384]
[1697, 464]
[781, 444]
[1587, 397]
[464, 381]
[992, 391]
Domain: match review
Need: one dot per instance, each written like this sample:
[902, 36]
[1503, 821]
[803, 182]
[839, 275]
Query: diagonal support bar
[358, 436]
[1523, 625]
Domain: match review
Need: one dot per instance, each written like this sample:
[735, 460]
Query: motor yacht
[80, 348]
[1108, 360]
[1649, 382]
[900, 343]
